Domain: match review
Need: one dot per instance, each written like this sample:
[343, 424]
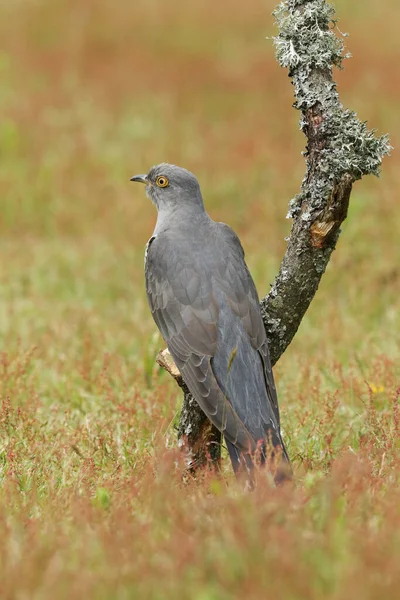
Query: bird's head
[168, 185]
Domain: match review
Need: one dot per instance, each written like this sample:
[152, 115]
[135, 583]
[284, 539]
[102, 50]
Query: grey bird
[205, 304]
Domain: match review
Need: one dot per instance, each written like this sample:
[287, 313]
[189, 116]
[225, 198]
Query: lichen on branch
[340, 149]
[309, 44]
[306, 36]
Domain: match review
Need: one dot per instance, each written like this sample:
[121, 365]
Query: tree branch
[340, 149]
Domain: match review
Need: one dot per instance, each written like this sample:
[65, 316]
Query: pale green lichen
[307, 44]
[306, 36]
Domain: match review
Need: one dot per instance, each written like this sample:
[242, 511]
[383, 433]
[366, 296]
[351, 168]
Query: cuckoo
[205, 304]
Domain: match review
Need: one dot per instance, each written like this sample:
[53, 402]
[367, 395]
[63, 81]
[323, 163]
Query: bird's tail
[272, 456]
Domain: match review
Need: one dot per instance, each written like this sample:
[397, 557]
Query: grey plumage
[205, 303]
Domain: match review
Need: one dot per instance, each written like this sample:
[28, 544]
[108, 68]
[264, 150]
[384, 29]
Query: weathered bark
[340, 150]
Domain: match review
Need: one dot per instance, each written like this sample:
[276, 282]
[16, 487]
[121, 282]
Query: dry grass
[91, 499]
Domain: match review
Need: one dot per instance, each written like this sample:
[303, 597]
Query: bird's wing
[241, 294]
[185, 309]
[269, 379]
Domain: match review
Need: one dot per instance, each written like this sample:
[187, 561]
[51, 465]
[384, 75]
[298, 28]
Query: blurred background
[92, 93]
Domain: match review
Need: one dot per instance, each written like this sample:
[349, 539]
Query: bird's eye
[162, 181]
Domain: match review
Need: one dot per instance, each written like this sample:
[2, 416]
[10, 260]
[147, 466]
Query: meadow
[92, 500]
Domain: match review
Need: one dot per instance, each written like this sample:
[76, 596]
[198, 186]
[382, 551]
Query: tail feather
[244, 463]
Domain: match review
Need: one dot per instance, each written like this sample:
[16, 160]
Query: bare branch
[340, 149]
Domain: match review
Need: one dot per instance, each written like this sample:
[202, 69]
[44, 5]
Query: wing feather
[185, 309]
[243, 300]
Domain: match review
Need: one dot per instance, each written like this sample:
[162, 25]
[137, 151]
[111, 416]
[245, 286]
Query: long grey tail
[244, 463]
[241, 463]
[239, 460]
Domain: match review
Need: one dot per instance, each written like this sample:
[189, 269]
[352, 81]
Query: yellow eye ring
[162, 181]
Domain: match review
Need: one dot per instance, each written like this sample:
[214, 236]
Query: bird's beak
[140, 179]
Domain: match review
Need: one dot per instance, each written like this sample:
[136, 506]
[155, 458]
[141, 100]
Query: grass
[92, 502]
